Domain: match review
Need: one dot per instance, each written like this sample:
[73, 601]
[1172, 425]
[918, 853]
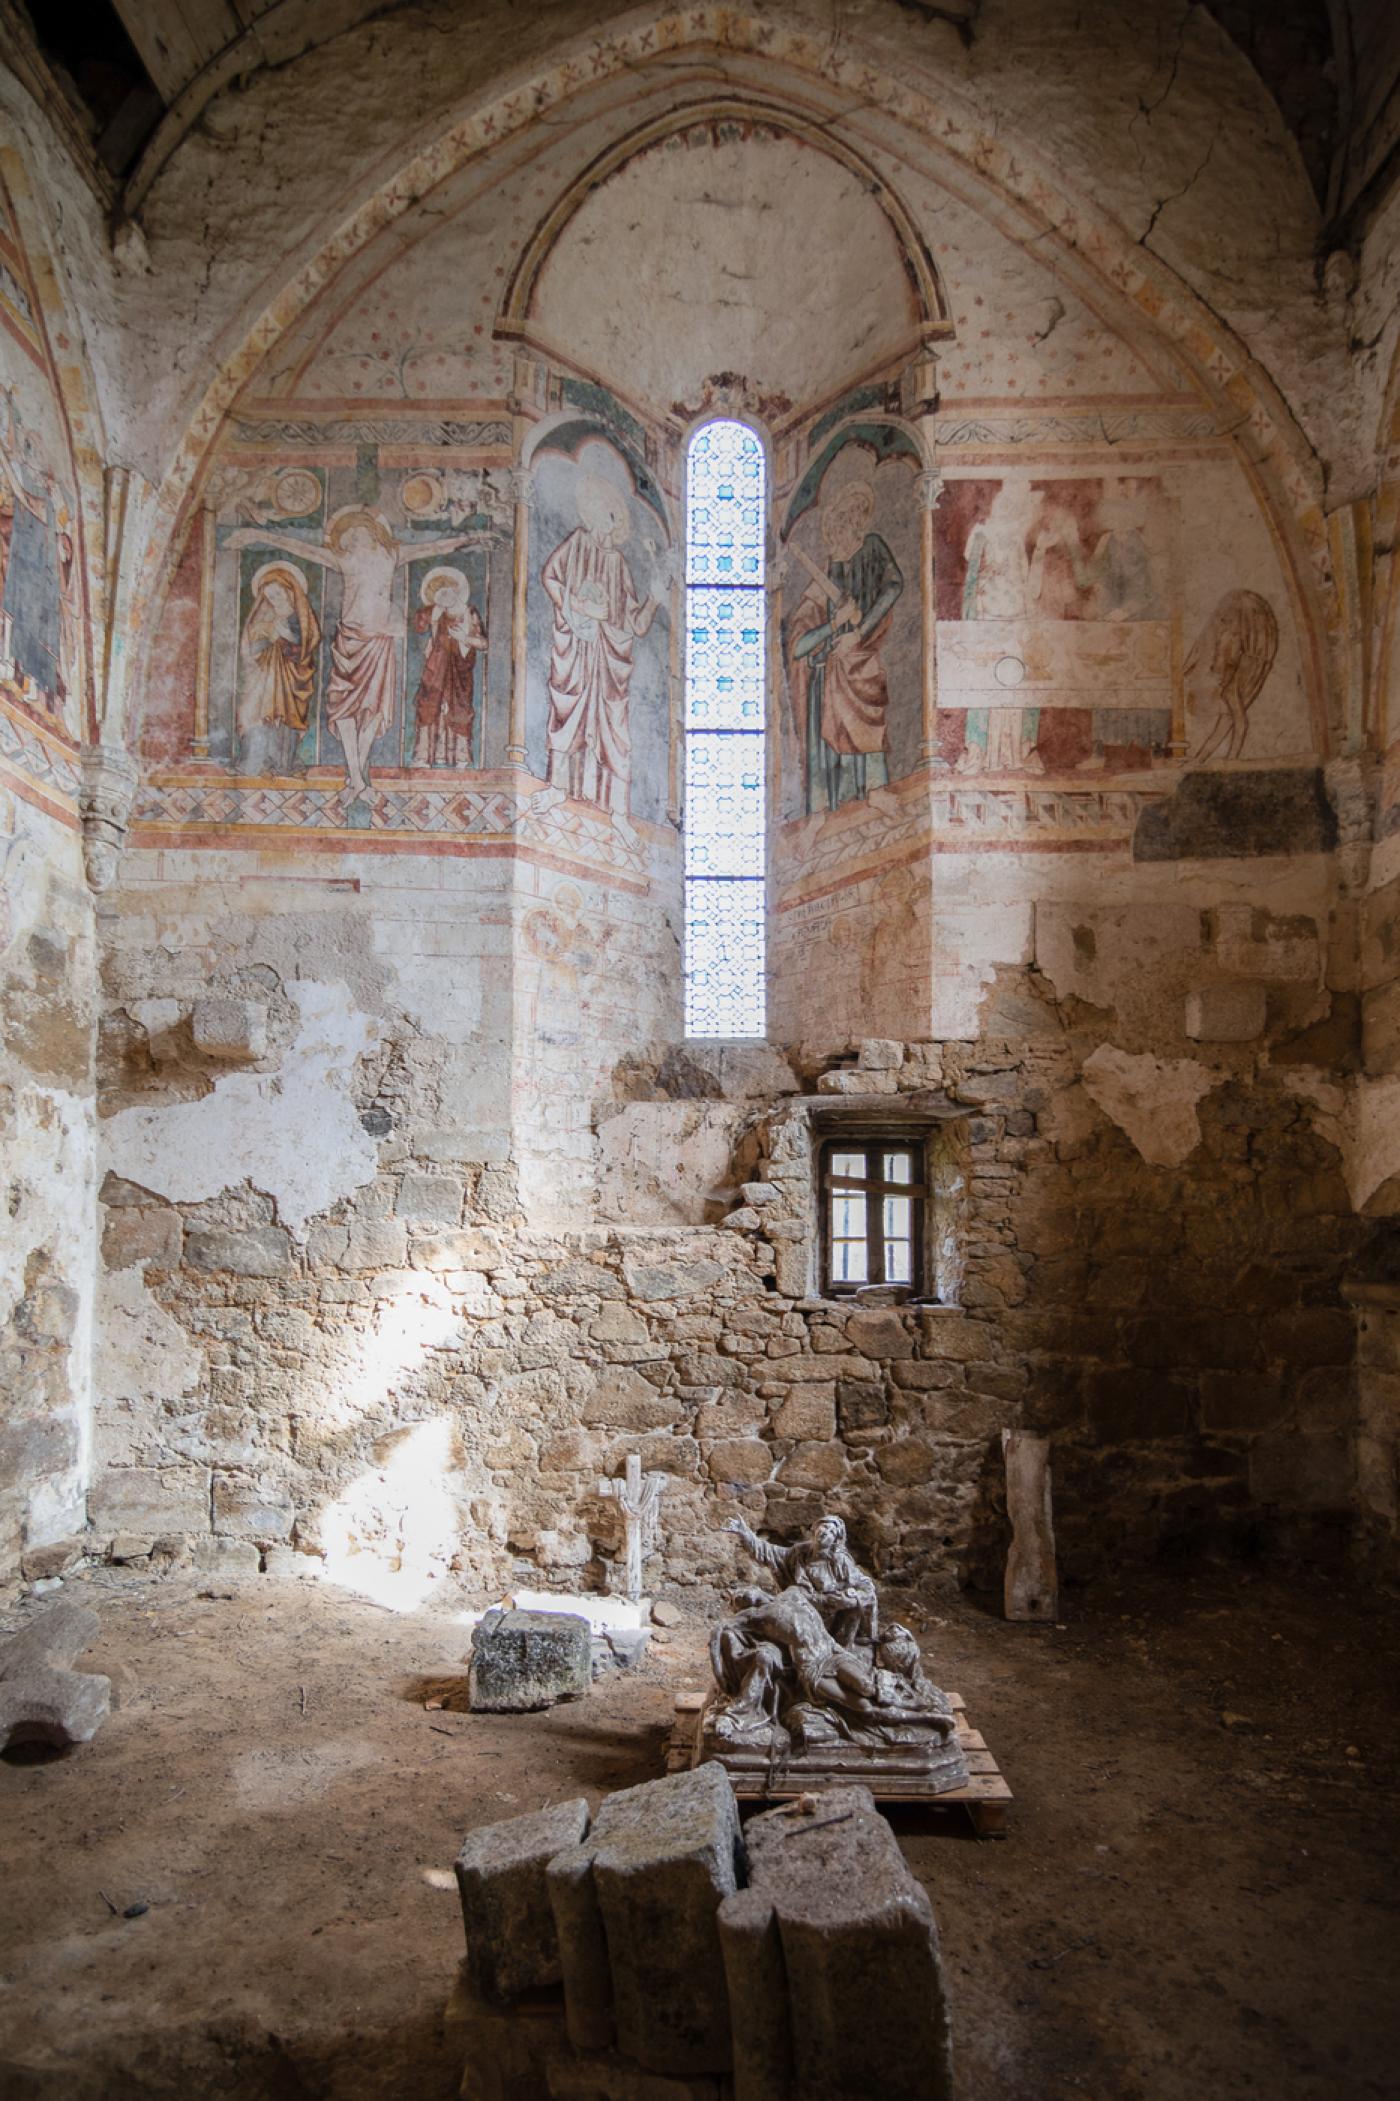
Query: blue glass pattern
[724, 958]
[724, 658]
[724, 509]
[725, 712]
[724, 828]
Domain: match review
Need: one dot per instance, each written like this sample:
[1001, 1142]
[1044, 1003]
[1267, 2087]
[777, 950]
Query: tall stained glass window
[724, 733]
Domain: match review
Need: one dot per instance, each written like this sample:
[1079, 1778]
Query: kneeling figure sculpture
[811, 1686]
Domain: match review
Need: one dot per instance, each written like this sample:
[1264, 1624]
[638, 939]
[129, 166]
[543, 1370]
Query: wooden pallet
[986, 1798]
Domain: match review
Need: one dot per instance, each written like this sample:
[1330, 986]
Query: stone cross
[638, 1497]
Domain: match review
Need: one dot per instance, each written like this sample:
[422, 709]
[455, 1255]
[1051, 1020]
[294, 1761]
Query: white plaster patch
[48, 1182]
[294, 1133]
[139, 1352]
[1362, 1119]
[664, 1162]
[1152, 1100]
[969, 944]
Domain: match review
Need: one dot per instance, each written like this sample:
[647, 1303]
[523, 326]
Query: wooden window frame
[918, 1189]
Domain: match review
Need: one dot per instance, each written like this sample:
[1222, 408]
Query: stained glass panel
[724, 519]
[724, 810]
[724, 659]
[725, 797]
[724, 957]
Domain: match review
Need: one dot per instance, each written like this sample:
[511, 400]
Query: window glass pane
[724, 659]
[847, 1217]
[898, 1262]
[899, 1167]
[896, 1218]
[725, 717]
[848, 1262]
[724, 948]
[724, 524]
[849, 1164]
[724, 827]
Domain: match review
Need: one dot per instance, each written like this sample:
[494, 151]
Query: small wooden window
[873, 1199]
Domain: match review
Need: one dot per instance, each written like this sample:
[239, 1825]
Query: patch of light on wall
[725, 714]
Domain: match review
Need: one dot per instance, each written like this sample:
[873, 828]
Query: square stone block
[525, 1660]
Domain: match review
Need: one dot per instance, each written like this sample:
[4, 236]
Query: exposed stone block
[1229, 1013]
[512, 1945]
[43, 1699]
[256, 1251]
[146, 1234]
[229, 1028]
[453, 1250]
[249, 1510]
[813, 1466]
[150, 1500]
[650, 1281]
[1303, 1473]
[636, 1911]
[878, 1334]
[809, 1412]
[879, 1054]
[832, 1959]
[862, 1404]
[526, 1660]
[432, 1200]
[741, 1460]
[624, 1400]
[1241, 1402]
[908, 1461]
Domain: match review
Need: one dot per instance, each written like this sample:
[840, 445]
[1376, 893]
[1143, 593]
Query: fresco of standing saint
[360, 548]
[277, 669]
[840, 695]
[1004, 582]
[444, 707]
[598, 616]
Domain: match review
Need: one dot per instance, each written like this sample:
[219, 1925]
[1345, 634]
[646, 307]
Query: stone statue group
[809, 1674]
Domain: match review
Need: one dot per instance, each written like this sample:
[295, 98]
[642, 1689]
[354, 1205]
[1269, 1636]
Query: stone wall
[394, 1370]
[47, 1118]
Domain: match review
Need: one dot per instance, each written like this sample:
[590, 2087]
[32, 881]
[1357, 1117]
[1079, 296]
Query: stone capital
[108, 789]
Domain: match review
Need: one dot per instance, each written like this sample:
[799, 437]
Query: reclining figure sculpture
[811, 1684]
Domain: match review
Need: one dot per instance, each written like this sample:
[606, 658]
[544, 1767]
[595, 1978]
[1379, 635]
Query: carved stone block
[512, 1945]
[43, 1700]
[636, 1909]
[835, 1980]
[525, 1660]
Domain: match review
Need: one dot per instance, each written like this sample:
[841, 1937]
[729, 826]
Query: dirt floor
[1198, 1895]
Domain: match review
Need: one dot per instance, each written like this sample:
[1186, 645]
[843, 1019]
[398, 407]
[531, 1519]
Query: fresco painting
[851, 630]
[41, 598]
[1054, 638]
[349, 634]
[598, 617]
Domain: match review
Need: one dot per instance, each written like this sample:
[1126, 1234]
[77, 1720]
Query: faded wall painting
[852, 621]
[598, 625]
[351, 617]
[1056, 640]
[41, 584]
